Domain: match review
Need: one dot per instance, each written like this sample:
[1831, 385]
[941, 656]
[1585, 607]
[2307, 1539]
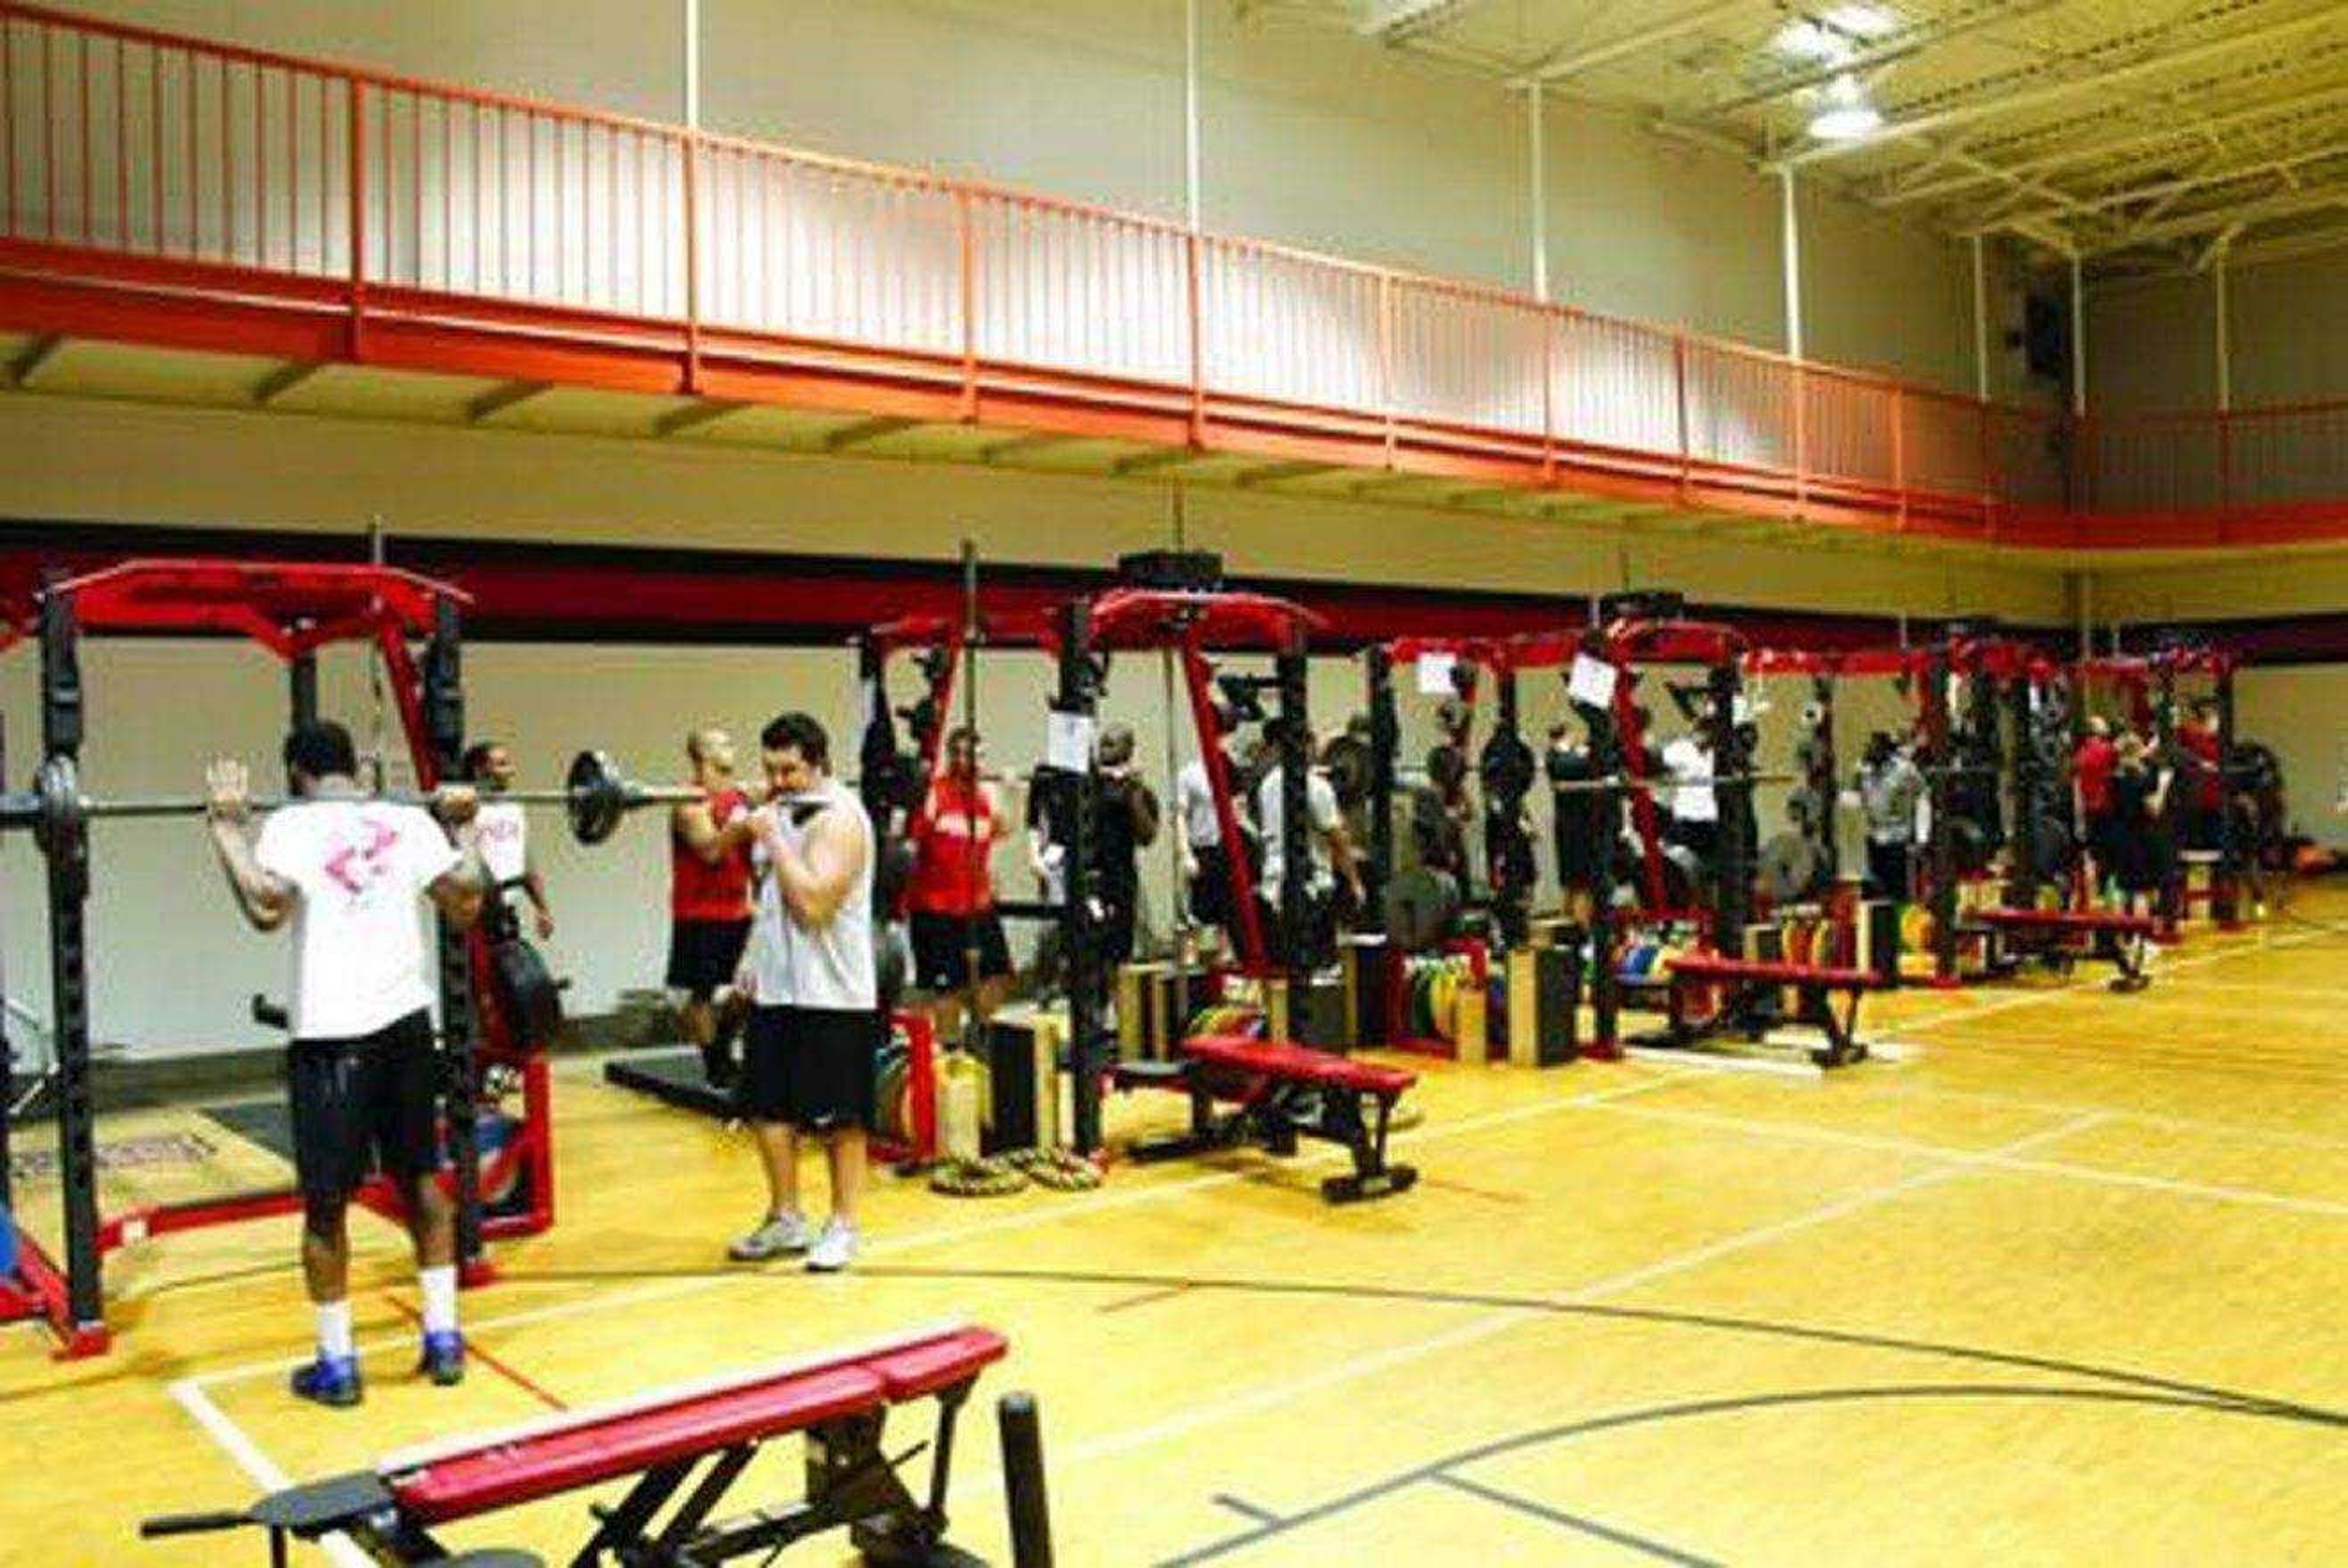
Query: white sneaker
[778, 1236]
[834, 1249]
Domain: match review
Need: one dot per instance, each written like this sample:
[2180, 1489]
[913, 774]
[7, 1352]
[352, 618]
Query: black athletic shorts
[811, 1067]
[366, 1103]
[703, 955]
[941, 944]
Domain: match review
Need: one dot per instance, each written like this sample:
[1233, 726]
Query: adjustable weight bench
[2059, 939]
[1280, 1091]
[1741, 993]
[840, 1403]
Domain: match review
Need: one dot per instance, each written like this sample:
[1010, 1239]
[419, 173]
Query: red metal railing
[169, 190]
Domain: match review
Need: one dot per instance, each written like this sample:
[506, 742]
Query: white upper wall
[1310, 138]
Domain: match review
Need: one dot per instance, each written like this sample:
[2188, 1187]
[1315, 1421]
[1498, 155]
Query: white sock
[439, 1298]
[335, 1330]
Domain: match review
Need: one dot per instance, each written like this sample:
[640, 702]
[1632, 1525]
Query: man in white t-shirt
[1206, 864]
[1695, 809]
[504, 830]
[363, 1073]
[1330, 852]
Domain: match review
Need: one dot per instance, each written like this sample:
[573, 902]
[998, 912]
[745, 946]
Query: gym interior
[1783, 566]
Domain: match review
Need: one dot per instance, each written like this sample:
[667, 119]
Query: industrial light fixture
[1844, 113]
[1830, 36]
[1394, 21]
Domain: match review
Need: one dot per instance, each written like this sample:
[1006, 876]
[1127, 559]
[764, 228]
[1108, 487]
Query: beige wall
[2302, 712]
[128, 462]
[2310, 584]
[2151, 344]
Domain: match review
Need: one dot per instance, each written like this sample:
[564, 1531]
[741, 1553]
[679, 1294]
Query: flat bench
[2058, 938]
[840, 1401]
[1736, 990]
[1280, 1091]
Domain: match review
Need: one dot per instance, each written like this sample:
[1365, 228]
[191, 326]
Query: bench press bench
[1736, 988]
[840, 1401]
[1280, 1091]
[2058, 938]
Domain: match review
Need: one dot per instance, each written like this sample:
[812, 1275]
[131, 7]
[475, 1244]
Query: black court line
[2262, 1403]
[1576, 1521]
[1245, 1508]
[1437, 1469]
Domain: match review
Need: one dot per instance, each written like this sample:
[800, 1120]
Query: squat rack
[291, 610]
[1504, 768]
[1191, 623]
[2149, 683]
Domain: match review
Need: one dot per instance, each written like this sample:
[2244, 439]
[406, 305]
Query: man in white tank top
[814, 1023]
[505, 832]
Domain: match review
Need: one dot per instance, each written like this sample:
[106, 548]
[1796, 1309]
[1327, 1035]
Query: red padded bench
[840, 1401]
[1737, 991]
[1281, 1093]
[2058, 938]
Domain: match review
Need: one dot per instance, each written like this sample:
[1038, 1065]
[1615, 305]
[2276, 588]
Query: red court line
[474, 1349]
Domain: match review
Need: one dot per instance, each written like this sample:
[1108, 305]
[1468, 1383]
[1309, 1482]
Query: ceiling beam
[1399, 21]
[2092, 80]
[1034, 441]
[497, 399]
[2165, 191]
[850, 437]
[2243, 214]
[677, 421]
[284, 379]
[1150, 462]
[1559, 64]
[19, 371]
[1274, 473]
[1889, 51]
[2062, 158]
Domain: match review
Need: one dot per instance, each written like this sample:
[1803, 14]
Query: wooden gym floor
[2065, 1284]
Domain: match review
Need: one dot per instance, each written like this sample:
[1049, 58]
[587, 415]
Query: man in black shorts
[709, 901]
[950, 893]
[810, 973]
[363, 1075]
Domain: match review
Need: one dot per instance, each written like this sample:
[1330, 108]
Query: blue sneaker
[331, 1380]
[444, 1359]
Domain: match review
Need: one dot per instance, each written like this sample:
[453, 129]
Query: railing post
[1194, 286]
[356, 140]
[1899, 451]
[1387, 365]
[1549, 398]
[692, 204]
[2225, 459]
[1680, 403]
[967, 234]
[1801, 438]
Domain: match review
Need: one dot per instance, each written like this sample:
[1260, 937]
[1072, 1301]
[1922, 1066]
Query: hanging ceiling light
[1844, 113]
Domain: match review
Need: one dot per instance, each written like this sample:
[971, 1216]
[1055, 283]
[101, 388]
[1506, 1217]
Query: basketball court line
[1799, 1132]
[2074, 989]
[1000, 1225]
[2151, 1118]
[1271, 1395]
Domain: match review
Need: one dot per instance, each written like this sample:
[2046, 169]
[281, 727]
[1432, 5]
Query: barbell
[595, 797]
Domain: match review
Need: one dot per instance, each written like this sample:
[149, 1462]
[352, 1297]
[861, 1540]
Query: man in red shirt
[2206, 806]
[2092, 765]
[950, 897]
[709, 900]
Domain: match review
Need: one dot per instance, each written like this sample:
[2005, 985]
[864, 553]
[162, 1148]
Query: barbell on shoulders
[595, 797]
